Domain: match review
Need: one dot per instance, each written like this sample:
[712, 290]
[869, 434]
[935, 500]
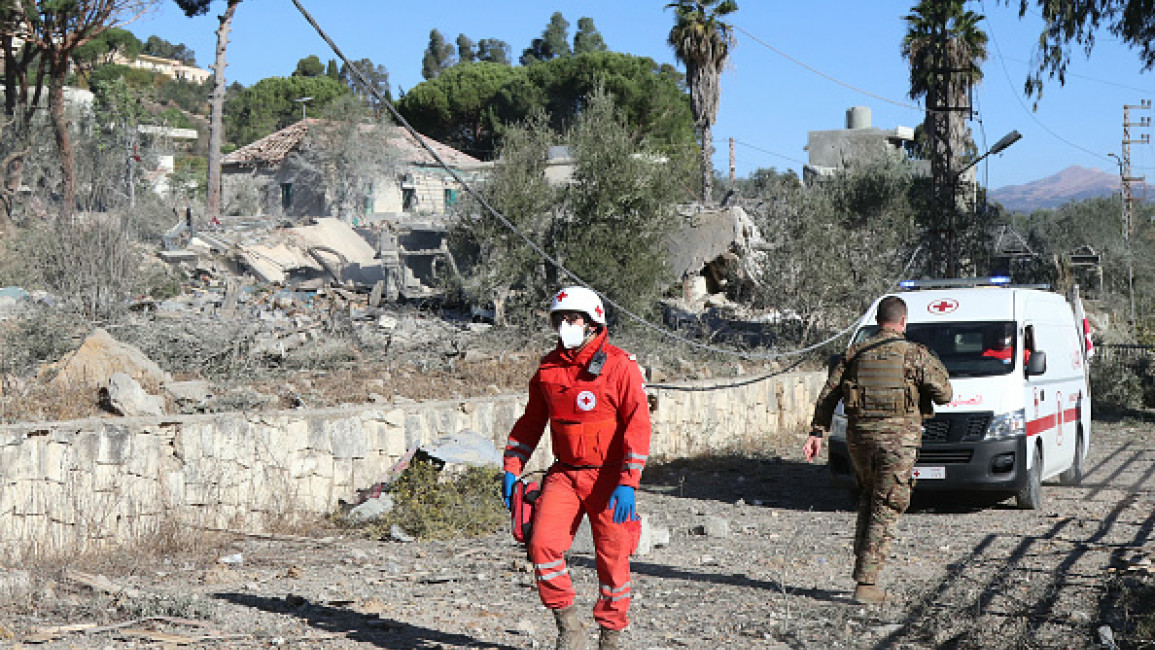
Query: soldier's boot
[610, 639]
[869, 594]
[571, 634]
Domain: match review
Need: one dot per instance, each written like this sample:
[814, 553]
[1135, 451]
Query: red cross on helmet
[579, 299]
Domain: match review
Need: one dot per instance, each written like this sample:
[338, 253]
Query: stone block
[319, 436]
[114, 444]
[348, 438]
[294, 435]
[55, 462]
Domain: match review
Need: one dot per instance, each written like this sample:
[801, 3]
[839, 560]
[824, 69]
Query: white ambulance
[1021, 413]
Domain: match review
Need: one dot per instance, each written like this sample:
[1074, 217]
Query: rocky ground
[759, 557]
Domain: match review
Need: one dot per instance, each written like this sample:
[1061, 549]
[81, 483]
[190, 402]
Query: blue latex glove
[507, 482]
[624, 503]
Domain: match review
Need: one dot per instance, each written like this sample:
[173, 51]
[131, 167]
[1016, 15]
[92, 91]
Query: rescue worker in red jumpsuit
[593, 397]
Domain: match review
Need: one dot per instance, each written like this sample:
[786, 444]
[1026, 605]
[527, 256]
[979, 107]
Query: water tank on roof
[858, 117]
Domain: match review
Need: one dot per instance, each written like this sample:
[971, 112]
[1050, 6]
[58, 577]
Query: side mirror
[1037, 364]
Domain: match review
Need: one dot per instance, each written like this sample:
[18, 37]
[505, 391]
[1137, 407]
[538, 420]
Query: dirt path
[759, 557]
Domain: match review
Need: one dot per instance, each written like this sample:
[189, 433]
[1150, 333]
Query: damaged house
[356, 172]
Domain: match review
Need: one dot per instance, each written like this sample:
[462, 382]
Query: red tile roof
[273, 148]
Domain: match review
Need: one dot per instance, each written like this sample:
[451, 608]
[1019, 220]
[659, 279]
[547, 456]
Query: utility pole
[732, 163]
[941, 114]
[1125, 183]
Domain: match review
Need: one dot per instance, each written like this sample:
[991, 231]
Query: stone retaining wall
[75, 486]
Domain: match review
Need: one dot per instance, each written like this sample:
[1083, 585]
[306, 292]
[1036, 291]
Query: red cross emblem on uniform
[598, 311]
[944, 306]
[586, 401]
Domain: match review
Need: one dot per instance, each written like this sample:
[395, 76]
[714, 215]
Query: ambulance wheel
[1030, 497]
[1074, 473]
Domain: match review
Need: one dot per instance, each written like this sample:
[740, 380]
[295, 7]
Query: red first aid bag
[522, 501]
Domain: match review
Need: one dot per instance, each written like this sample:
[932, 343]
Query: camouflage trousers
[884, 463]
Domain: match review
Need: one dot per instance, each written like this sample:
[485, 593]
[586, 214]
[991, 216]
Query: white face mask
[571, 334]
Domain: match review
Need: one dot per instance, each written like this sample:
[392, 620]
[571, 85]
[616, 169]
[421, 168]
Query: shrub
[1115, 386]
[430, 505]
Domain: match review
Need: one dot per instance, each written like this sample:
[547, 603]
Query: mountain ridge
[1075, 183]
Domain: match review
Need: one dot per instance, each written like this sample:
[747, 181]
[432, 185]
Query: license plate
[933, 472]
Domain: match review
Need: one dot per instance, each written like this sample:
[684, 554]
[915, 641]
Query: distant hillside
[1072, 184]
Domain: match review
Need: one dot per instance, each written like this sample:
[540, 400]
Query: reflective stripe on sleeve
[633, 456]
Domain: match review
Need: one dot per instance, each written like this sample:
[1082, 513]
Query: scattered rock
[717, 527]
[398, 534]
[372, 509]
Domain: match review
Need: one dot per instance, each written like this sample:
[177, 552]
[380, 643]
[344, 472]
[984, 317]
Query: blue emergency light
[956, 283]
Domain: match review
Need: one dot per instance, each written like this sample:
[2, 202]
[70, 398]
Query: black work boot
[571, 634]
[609, 639]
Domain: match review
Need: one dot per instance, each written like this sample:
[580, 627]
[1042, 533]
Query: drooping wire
[360, 78]
[827, 76]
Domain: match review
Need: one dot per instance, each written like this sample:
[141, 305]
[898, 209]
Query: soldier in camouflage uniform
[886, 384]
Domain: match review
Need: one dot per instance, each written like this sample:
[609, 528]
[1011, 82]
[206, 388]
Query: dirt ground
[759, 557]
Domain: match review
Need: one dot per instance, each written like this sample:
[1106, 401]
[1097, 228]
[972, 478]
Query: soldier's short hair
[891, 309]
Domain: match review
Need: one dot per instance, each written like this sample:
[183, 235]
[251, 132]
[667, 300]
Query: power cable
[767, 151]
[1030, 113]
[827, 76]
[537, 249]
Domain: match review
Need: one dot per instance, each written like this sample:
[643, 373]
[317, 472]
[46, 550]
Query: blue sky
[798, 67]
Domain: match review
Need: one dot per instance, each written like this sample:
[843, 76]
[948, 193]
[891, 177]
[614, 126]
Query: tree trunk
[707, 165]
[63, 138]
[216, 122]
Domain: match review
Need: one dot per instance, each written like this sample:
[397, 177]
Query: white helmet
[579, 299]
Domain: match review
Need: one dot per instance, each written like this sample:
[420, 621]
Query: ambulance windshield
[967, 349]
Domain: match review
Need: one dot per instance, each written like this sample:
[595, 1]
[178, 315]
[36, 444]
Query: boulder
[124, 396]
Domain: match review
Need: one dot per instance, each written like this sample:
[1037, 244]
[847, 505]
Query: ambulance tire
[1030, 497]
[1074, 474]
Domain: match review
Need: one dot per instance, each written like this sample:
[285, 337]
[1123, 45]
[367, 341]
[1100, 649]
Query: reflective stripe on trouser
[567, 495]
[883, 465]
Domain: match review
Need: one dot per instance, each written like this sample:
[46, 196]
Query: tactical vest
[583, 419]
[875, 385]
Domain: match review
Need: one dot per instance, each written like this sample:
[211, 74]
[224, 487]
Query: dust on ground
[759, 557]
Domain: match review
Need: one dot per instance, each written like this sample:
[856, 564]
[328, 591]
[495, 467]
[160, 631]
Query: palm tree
[945, 49]
[702, 41]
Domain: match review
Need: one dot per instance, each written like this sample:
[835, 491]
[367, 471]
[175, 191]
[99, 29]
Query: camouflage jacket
[922, 371]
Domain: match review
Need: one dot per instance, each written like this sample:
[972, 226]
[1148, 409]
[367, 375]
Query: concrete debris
[97, 359]
[189, 394]
[234, 558]
[461, 449]
[717, 527]
[398, 534]
[371, 509]
[124, 396]
[13, 301]
[387, 260]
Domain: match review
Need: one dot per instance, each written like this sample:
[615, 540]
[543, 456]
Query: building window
[450, 197]
[286, 196]
[409, 199]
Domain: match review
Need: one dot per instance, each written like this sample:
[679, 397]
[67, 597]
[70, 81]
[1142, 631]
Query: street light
[1003, 142]
[302, 101]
